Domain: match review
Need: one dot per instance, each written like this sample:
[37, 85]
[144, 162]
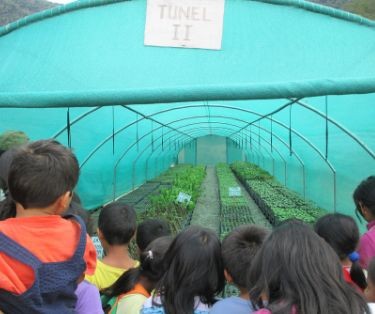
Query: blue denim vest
[54, 285]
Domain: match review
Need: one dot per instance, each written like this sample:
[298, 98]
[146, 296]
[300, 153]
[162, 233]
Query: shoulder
[86, 288]
[232, 305]
[152, 305]
[152, 301]
[131, 303]
[104, 275]
[88, 299]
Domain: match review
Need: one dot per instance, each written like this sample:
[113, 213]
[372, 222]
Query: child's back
[238, 250]
[42, 255]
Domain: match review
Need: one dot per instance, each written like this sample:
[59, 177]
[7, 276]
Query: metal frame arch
[340, 126]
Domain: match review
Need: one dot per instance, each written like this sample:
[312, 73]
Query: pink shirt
[366, 247]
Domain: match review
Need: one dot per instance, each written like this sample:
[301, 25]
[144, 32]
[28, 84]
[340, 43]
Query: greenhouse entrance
[304, 123]
[210, 150]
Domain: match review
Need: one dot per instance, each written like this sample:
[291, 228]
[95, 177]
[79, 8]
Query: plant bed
[276, 201]
[186, 179]
[234, 210]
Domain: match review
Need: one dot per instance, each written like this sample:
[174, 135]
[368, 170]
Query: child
[193, 274]
[238, 251]
[299, 273]
[149, 230]
[364, 199]
[134, 286]
[342, 234]
[116, 227]
[42, 255]
[370, 290]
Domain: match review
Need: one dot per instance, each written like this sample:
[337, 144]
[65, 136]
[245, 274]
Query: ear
[100, 235]
[63, 202]
[227, 276]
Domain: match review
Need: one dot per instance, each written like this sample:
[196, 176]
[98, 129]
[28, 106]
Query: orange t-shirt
[50, 238]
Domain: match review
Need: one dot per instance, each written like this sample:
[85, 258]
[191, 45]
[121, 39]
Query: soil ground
[207, 209]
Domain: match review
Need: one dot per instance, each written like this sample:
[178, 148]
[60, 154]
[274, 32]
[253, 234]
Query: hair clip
[150, 255]
[354, 257]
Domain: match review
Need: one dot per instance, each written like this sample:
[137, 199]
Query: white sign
[184, 23]
[234, 191]
[183, 197]
[98, 247]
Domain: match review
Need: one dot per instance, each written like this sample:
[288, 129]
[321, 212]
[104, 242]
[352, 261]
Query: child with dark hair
[370, 290]
[238, 251]
[7, 205]
[42, 255]
[364, 199]
[134, 286]
[342, 234]
[193, 274]
[116, 227]
[75, 208]
[297, 272]
[150, 229]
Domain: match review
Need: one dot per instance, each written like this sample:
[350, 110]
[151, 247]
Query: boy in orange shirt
[42, 255]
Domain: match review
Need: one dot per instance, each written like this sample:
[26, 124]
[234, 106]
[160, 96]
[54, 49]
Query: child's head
[297, 268]
[41, 173]
[151, 259]
[342, 234]
[5, 161]
[75, 208]
[149, 230]
[364, 198]
[370, 290]
[150, 268]
[238, 251]
[193, 268]
[117, 224]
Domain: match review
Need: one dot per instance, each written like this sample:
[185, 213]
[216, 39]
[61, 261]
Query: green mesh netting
[292, 90]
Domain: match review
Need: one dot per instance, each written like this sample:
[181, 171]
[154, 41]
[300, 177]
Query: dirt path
[207, 209]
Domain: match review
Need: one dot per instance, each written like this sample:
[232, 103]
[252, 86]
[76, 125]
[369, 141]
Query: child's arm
[90, 256]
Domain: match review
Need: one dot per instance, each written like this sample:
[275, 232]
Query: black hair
[5, 161]
[295, 268]
[75, 208]
[41, 172]
[149, 230]
[193, 268]
[7, 208]
[117, 223]
[150, 267]
[365, 194]
[342, 234]
[238, 250]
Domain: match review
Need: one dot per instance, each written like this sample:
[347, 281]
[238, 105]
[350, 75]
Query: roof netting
[293, 87]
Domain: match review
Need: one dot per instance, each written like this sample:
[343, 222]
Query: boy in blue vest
[42, 255]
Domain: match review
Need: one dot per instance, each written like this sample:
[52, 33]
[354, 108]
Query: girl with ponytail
[342, 234]
[134, 286]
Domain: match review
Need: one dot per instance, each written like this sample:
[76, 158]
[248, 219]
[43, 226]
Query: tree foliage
[10, 139]
[12, 10]
[365, 8]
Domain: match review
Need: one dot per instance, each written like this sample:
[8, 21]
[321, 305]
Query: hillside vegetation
[12, 10]
[365, 8]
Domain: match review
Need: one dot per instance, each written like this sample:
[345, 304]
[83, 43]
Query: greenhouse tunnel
[292, 90]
